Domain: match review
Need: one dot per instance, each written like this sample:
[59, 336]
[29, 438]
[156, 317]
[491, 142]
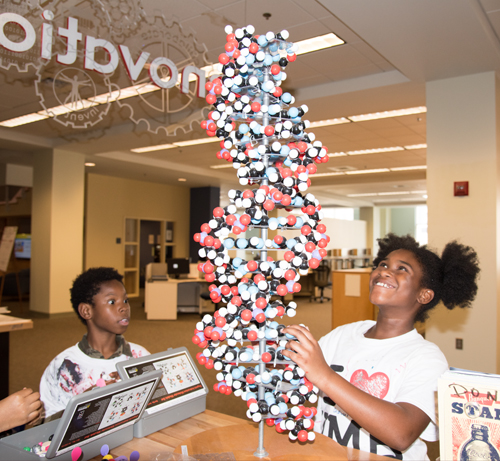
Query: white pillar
[56, 229]
[463, 145]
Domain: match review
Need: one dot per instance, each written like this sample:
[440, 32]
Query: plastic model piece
[265, 138]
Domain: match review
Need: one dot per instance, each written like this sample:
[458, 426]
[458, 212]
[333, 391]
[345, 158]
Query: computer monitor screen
[177, 266]
[22, 247]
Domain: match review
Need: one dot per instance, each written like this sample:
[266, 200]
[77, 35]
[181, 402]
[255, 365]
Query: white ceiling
[392, 49]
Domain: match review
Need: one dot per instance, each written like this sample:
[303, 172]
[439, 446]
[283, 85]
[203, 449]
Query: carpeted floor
[32, 350]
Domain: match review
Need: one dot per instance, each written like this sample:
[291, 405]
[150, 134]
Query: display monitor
[22, 246]
[100, 412]
[177, 267]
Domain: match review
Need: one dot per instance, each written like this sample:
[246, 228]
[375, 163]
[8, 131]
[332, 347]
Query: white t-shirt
[401, 369]
[72, 372]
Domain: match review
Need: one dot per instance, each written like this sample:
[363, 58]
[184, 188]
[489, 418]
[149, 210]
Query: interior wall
[403, 220]
[110, 200]
[463, 145]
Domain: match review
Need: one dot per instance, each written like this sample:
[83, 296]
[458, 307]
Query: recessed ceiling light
[89, 164]
[182, 179]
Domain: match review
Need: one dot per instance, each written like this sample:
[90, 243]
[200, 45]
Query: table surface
[213, 432]
[10, 323]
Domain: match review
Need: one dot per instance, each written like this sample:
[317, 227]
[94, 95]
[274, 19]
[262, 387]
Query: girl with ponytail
[378, 379]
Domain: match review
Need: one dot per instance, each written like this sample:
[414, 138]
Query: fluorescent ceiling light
[375, 170]
[375, 194]
[388, 114]
[192, 142]
[402, 192]
[218, 167]
[141, 150]
[408, 168]
[333, 121]
[375, 151]
[318, 43]
[416, 146]
[24, 119]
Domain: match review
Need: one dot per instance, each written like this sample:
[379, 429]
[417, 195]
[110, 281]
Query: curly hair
[88, 284]
[452, 277]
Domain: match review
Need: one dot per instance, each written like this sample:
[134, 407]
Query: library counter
[213, 432]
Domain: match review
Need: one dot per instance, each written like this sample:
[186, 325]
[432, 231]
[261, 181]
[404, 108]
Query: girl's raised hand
[307, 354]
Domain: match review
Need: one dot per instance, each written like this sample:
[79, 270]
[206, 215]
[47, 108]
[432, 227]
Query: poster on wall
[6, 246]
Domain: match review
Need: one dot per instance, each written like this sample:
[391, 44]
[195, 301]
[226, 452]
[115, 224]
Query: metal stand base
[261, 453]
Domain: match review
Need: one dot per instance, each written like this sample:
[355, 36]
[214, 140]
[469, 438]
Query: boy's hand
[307, 354]
[20, 408]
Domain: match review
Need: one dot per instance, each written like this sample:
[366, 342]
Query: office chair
[322, 279]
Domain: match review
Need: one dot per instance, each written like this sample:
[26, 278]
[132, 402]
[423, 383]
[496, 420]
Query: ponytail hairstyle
[452, 277]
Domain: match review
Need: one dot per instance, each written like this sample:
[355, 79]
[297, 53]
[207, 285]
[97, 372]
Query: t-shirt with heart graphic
[401, 369]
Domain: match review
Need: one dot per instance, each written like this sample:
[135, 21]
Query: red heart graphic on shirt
[376, 384]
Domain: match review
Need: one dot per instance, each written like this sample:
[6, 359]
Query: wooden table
[213, 432]
[8, 324]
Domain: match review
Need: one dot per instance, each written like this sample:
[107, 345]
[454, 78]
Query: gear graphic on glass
[165, 110]
[28, 61]
[264, 136]
[72, 95]
[123, 17]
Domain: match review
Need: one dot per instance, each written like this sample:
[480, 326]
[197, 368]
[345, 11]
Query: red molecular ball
[297, 287]
[269, 205]
[250, 378]
[291, 57]
[260, 318]
[246, 314]
[225, 290]
[229, 47]
[291, 220]
[305, 230]
[321, 228]
[270, 422]
[230, 219]
[252, 335]
[322, 243]
[286, 200]
[269, 130]
[223, 58]
[245, 219]
[209, 241]
[220, 322]
[310, 209]
[282, 290]
[275, 69]
[290, 274]
[210, 364]
[210, 277]
[214, 295]
[248, 193]
[310, 247]
[218, 212]
[322, 252]
[211, 98]
[208, 267]
[228, 390]
[202, 360]
[289, 255]
[197, 237]
[252, 266]
[302, 436]
[205, 228]
[266, 357]
[253, 48]
[261, 303]
[258, 278]
[278, 92]
[286, 173]
[313, 263]
[255, 106]
[280, 309]
[278, 239]
[311, 168]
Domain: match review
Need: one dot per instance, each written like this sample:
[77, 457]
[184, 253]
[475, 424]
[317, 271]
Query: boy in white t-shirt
[378, 379]
[101, 303]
